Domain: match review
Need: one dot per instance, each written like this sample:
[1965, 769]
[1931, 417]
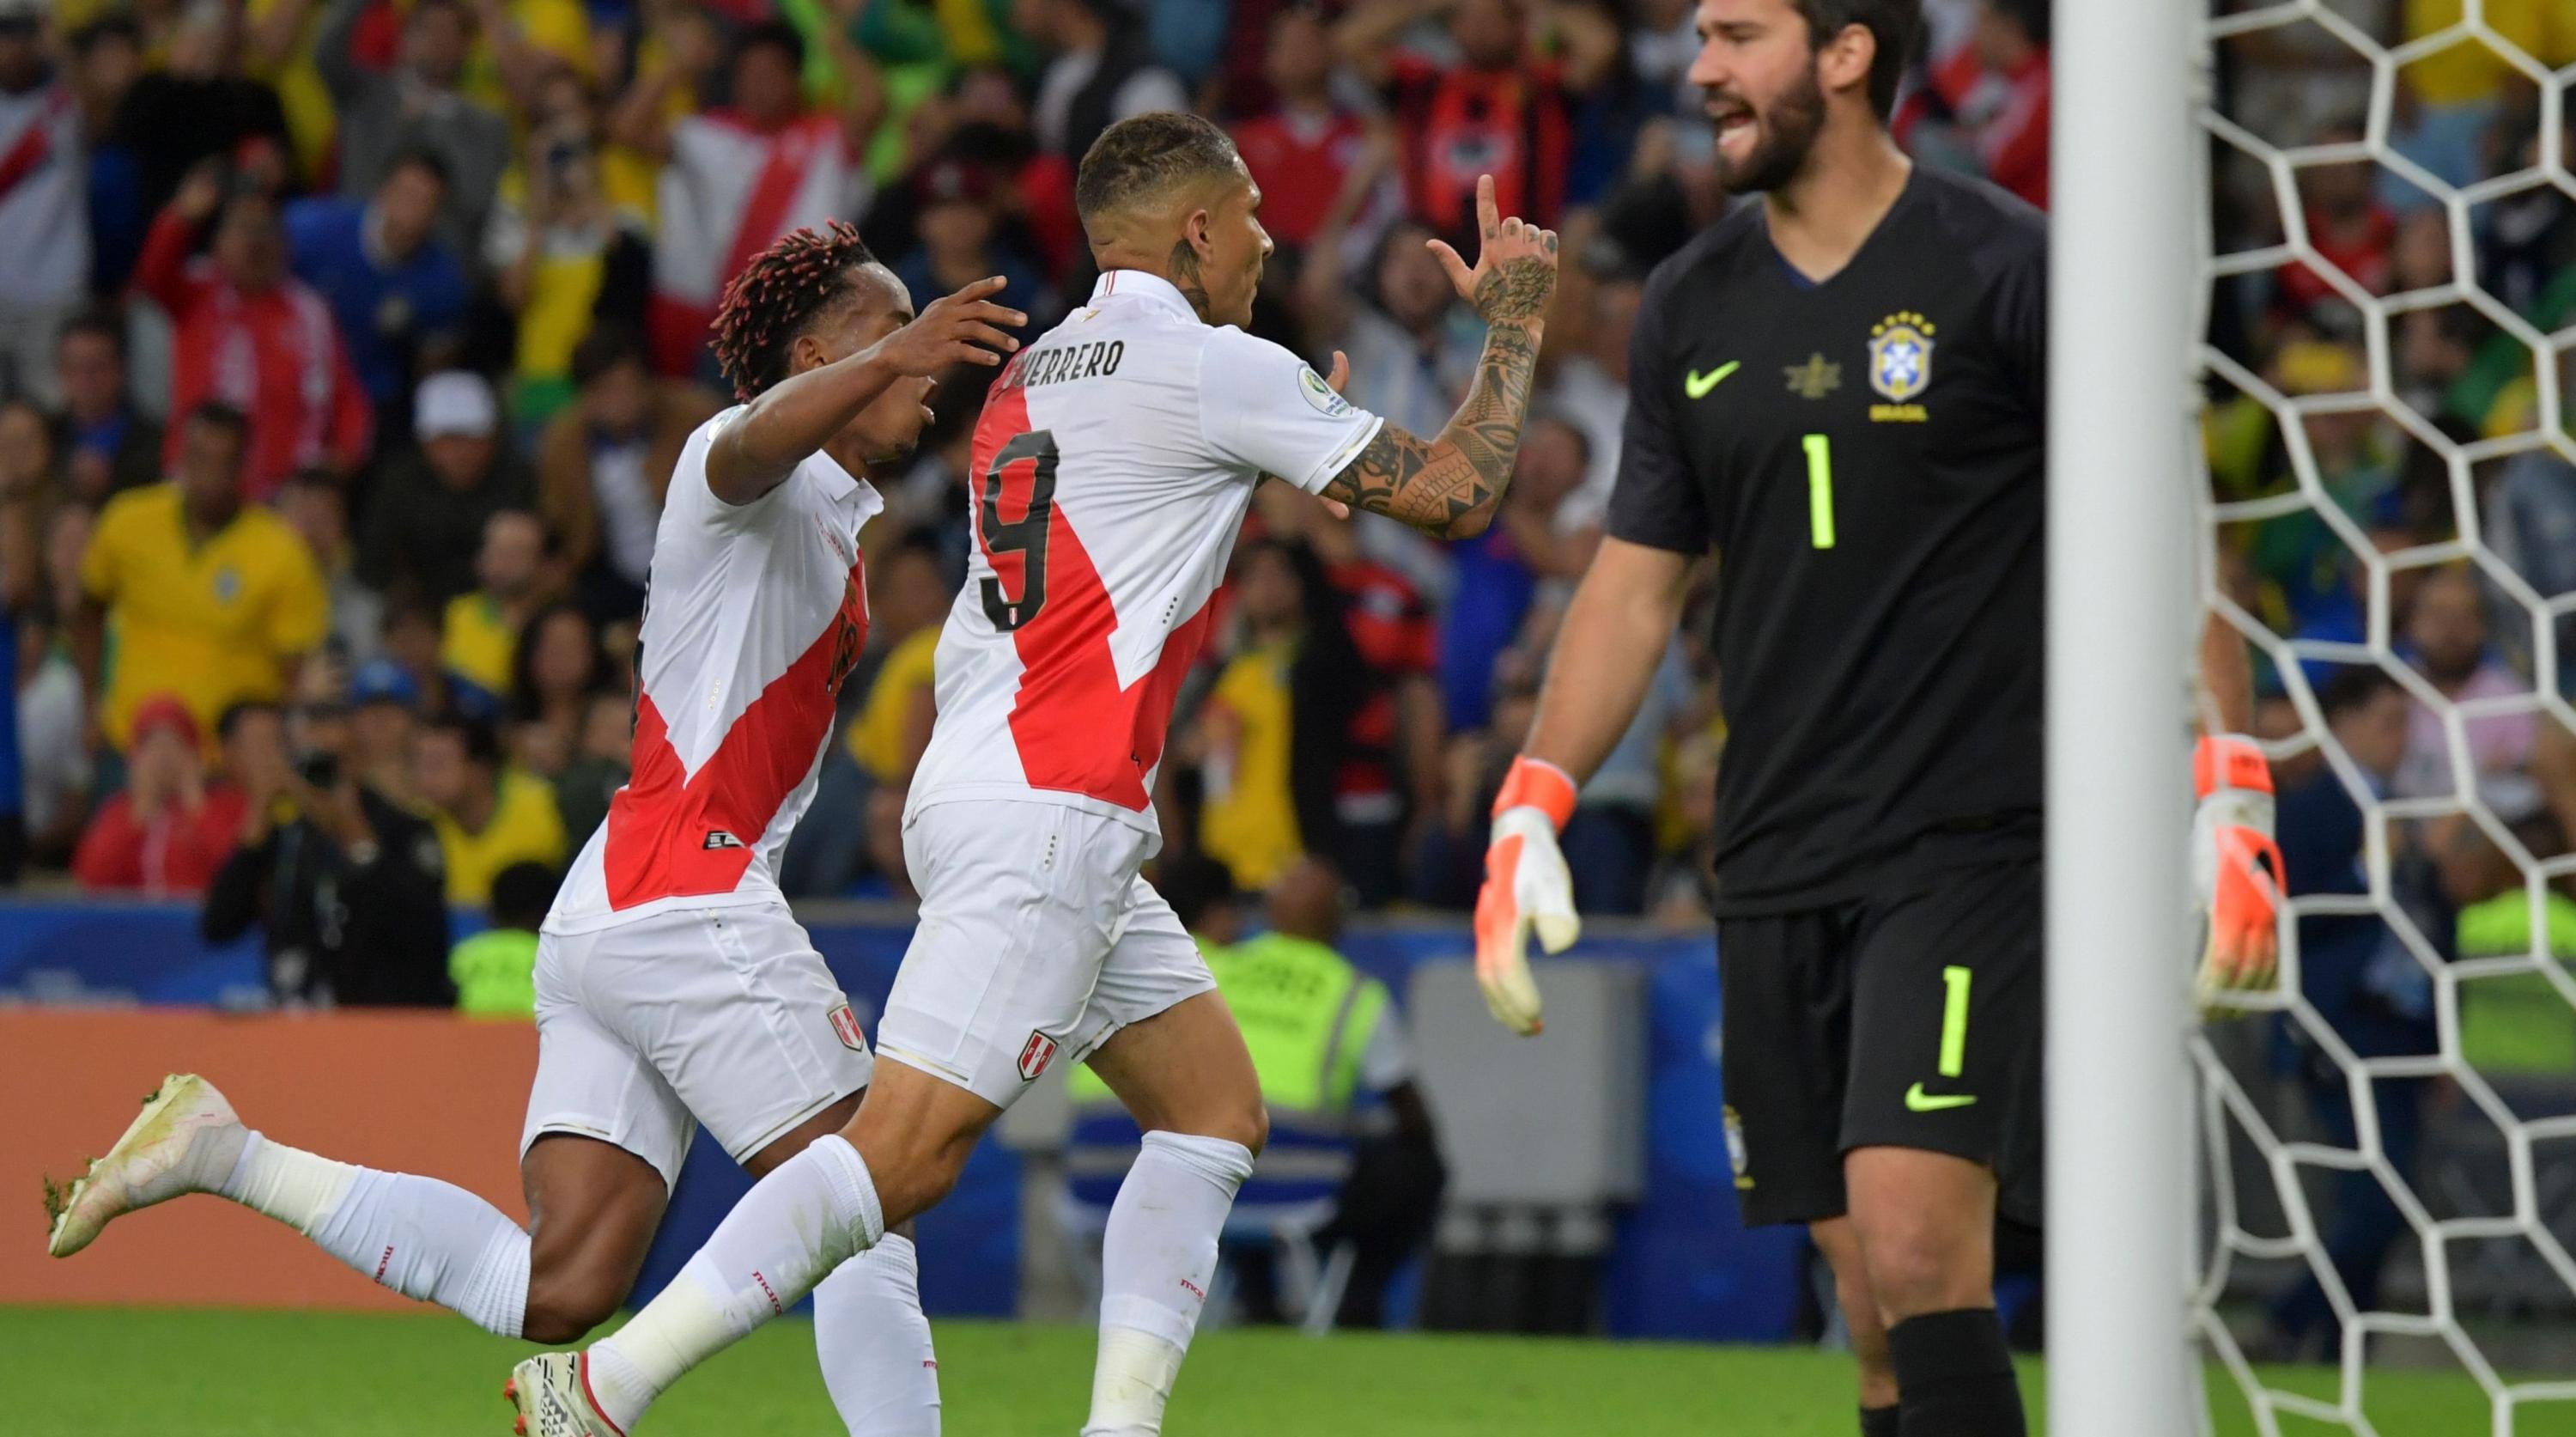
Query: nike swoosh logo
[1697, 385]
[1919, 1101]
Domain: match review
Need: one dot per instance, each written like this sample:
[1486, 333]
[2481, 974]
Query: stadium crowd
[349, 344]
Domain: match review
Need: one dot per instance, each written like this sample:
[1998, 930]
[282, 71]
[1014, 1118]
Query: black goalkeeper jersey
[1865, 456]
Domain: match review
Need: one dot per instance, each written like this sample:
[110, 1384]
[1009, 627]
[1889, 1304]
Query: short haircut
[101, 321]
[482, 743]
[216, 414]
[522, 894]
[772, 35]
[419, 157]
[2351, 689]
[606, 349]
[1194, 885]
[242, 713]
[1897, 25]
[1149, 155]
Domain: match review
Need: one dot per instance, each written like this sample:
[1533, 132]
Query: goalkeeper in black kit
[1839, 388]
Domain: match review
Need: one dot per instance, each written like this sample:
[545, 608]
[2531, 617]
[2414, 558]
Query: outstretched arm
[798, 416]
[1448, 486]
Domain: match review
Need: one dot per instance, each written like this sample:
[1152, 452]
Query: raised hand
[962, 328]
[1515, 268]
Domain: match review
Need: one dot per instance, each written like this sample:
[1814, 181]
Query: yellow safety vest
[496, 974]
[1307, 1016]
[2516, 1022]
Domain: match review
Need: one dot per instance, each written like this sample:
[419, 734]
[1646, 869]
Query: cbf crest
[1900, 364]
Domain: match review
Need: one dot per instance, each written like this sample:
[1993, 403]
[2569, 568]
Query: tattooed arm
[1450, 485]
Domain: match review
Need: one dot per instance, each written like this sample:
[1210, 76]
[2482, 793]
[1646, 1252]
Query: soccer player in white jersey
[1112, 466]
[673, 987]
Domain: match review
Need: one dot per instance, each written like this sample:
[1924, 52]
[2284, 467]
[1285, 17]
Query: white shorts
[721, 1016]
[1037, 941]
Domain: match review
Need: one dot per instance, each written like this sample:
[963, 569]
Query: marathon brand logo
[1035, 1055]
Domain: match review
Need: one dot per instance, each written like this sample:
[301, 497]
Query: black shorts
[1907, 1018]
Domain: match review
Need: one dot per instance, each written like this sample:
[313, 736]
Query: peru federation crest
[1900, 356]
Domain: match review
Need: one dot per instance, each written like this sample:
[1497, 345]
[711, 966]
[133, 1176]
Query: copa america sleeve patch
[1320, 394]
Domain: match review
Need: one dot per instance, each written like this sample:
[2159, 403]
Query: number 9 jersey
[1113, 465]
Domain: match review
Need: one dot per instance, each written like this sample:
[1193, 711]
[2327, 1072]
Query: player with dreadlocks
[673, 986]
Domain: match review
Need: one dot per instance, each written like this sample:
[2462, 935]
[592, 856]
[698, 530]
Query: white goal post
[2119, 597]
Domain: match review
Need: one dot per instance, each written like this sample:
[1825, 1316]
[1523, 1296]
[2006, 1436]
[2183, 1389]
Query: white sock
[428, 1240]
[874, 1343]
[1156, 1261]
[812, 1213]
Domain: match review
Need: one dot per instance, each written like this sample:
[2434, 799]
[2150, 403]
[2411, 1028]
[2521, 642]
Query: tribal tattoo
[1517, 290]
[1449, 486]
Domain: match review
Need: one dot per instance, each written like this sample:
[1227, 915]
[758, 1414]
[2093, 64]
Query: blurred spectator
[27, 462]
[603, 466]
[734, 180]
[397, 292]
[415, 105]
[2348, 226]
[113, 446]
[488, 815]
[1499, 571]
[430, 506]
[197, 106]
[2362, 981]
[1275, 731]
[384, 718]
[315, 505]
[479, 638]
[908, 596]
[107, 58]
[495, 971]
[1100, 69]
[557, 672]
[412, 634]
[1302, 152]
[1500, 108]
[1412, 343]
[343, 882]
[170, 829]
[959, 224]
[1589, 388]
[2011, 43]
[569, 262]
[44, 225]
[599, 767]
[2446, 640]
[251, 335]
[211, 600]
[1682, 891]
[52, 707]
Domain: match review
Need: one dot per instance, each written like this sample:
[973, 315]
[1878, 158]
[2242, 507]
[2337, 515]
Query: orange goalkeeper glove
[1526, 887]
[2236, 869]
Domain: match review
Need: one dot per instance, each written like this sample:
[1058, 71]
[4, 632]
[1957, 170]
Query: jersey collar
[1135, 284]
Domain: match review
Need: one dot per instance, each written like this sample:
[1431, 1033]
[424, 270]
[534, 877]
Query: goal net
[2387, 291]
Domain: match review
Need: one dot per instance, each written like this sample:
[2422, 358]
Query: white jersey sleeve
[1263, 408]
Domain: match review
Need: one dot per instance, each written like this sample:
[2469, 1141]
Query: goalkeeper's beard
[1783, 136]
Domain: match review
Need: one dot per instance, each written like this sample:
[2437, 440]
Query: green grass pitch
[125, 1373]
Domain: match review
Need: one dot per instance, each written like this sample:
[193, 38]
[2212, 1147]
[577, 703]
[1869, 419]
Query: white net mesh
[2391, 1148]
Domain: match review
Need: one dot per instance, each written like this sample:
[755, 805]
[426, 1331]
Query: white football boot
[551, 1394]
[185, 1140]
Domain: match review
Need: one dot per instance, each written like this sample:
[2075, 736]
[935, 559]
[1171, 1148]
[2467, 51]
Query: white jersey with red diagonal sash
[754, 614]
[1112, 466]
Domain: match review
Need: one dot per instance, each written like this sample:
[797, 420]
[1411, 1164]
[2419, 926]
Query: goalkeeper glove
[1526, 886]
[2236, 869]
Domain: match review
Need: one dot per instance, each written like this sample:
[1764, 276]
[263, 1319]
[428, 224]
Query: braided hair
[777, 295]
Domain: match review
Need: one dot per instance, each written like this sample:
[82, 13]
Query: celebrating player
[672, 983]
[1114, 461]
[1840, 388]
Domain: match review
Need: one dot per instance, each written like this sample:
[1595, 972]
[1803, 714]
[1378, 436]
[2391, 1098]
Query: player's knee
[1914, 1272]
[564, 1307]
[1247, 1123]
